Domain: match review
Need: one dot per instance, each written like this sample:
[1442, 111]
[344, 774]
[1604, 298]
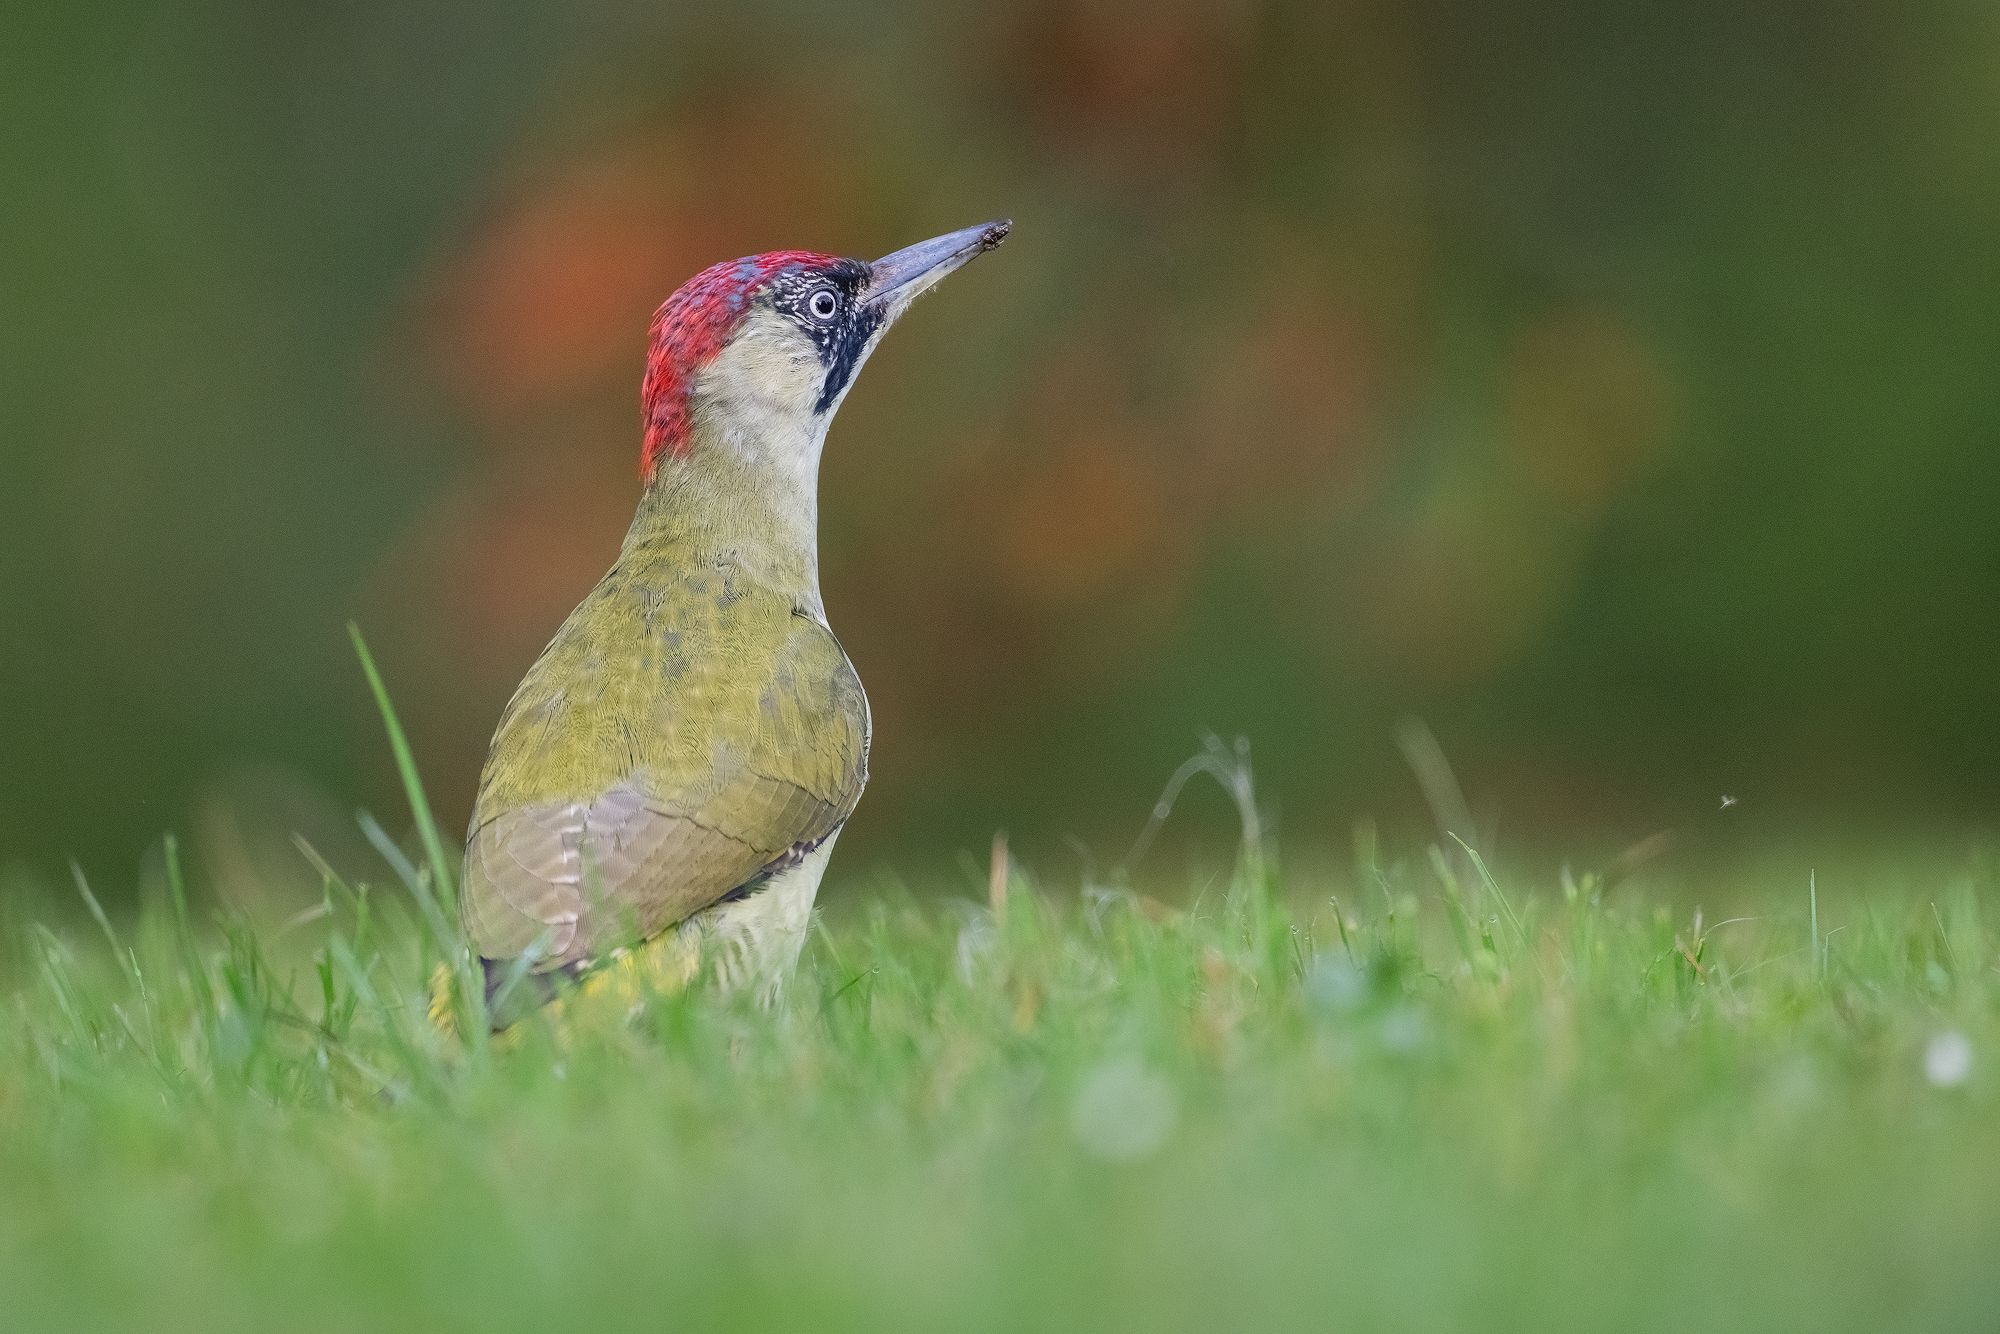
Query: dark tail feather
[510, 1005]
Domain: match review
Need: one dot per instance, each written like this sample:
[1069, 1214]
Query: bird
[674, 769]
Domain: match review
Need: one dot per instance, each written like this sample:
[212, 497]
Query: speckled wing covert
[686, 730]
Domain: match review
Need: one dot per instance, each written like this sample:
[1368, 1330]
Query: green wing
[680, 734]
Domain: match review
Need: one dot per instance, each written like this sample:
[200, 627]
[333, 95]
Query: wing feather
[637, 778]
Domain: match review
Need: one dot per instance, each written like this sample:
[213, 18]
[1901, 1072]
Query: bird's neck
[746, 494]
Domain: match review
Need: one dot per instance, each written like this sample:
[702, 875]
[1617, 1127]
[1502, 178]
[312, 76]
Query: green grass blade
[413, 783]
[191, 958]
[118, 951]
[441, 913]
[433, 914]
[1493, 888]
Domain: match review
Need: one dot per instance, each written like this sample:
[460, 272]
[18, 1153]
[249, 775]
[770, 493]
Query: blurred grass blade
[413, 783]
[1493, 888]
[1231, 769]
[354, 900]
[1462, 928]
[57, 966]
[437, 900]
[518, 968]
[407, 871]
[191, 957]
[1434, 775]
[118, 951]
[394, 1024]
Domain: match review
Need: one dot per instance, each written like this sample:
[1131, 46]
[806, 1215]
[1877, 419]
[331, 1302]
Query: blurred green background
[1612, 384]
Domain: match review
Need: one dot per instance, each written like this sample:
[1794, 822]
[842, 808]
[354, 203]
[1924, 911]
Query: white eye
[823, 304]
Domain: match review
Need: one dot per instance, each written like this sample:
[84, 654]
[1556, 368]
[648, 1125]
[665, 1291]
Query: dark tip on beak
[896, 279]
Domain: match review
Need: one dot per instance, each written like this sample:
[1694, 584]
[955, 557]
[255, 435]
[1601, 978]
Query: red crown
[689, 328]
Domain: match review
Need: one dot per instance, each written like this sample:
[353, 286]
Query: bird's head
[755, 355]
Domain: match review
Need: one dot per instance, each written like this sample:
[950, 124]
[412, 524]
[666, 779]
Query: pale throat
[746, 490]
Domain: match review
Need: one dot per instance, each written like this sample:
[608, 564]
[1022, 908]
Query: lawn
[1395, 1099]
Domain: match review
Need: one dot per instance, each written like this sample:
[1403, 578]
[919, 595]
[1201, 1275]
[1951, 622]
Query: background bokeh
[1611, 384]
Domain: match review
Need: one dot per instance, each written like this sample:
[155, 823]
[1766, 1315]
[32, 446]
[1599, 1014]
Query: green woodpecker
[683, 754]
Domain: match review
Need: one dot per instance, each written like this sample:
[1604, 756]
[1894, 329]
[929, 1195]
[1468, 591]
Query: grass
[1441, 1103]
[1074, 1116]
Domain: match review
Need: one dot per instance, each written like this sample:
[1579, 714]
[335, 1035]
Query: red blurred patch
[559, 286]
[555, 290]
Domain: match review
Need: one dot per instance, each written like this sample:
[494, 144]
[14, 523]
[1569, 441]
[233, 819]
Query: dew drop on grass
[1123, 1110]
[1948, 1059]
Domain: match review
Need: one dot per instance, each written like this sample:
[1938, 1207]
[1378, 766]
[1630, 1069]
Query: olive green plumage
[694, 736]
[692, 723]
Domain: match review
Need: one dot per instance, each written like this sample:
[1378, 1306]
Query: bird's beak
[896, 280]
